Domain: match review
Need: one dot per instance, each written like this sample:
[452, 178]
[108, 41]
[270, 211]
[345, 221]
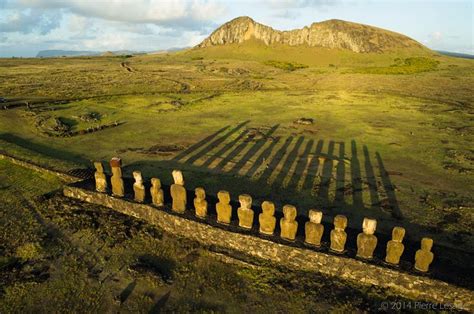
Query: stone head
[99, 167]
[200, 193]
[289, 211]
[116, 162]
[340, 222]
[426, 244]
[137, 175]
[315, 216]
[268, 208]
[156, 183]
[369, 225]
[178, 177]
[245, 201]
[223, 197]
[398, 233]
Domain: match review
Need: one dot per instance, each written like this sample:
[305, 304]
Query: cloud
[294, 4]
[28, 21]
[194, 14]
[292, 9]
[436, 36]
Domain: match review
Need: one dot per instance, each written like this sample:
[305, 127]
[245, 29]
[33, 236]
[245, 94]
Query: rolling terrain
[398, 121]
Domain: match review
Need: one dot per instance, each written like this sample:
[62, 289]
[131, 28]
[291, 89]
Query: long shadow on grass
[282, 166]
[43, 149]
[208, 145]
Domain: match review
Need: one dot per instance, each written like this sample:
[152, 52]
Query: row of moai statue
[314, 229]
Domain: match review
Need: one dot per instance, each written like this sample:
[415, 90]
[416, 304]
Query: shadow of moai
[254, 149]
[389, 189]
[319, 169]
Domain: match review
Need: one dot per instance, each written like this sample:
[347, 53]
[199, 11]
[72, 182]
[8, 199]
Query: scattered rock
[90, 117]
[153, 150]
[248, 85]
[304, 121]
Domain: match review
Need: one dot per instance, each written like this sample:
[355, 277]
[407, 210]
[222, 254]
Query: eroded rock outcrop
[328, 34]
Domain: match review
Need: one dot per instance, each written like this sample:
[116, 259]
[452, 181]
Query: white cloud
[28, 21]
[176, 13]
[293, 4]
[436, 36]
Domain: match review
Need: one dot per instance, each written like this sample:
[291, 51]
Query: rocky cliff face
[328, 34]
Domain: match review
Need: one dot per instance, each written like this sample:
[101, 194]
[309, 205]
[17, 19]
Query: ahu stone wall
[264, 237]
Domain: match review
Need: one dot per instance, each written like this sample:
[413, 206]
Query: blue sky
[27, 26]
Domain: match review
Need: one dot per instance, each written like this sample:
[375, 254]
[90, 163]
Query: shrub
[407, 66]
[288, 66]
[29, 251]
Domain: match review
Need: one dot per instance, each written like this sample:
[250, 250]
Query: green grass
[404, 66]
[19, 230]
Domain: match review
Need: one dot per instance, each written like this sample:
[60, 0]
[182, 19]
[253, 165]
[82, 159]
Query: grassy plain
[401, 131]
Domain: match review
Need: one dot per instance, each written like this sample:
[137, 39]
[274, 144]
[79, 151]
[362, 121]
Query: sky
[28, 26]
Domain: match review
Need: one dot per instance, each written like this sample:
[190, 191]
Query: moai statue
[116, 180]
[366, 241]
[200, 203]
[157, 195]
[267, 219]
[314, 228]
[223, 208]
[424, 256]
[100, 178]
[338, 235]
[138, 187]
[288, 225]
[245, 212]
[395, 246]
[178, 192]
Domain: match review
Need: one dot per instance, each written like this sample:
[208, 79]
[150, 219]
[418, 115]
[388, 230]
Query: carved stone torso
[178, 194]
[267, 224]
[245, 217]
[338, 240]
[366, 244]
[313, 233]
[288, 229]
[139, 191]
[394, 252]
[100, 182]
[117, 183]
[157, 196]
[423, 259]
[224, 213]
[200, 206]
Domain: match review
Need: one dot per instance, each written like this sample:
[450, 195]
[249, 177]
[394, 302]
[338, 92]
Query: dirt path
[126, 66]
